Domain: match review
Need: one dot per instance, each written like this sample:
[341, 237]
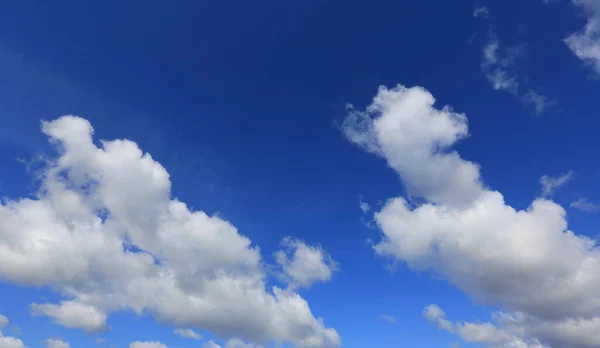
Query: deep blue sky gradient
[239, 101]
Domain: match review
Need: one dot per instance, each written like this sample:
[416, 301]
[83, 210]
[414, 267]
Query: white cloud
[188, 333]
[74, 315]
[237, 343]
[585, 44]
[6, 341]
[104, 231]
[11, 342]
[539, 102]
[147, 344]
[585, 205]
[303, 265]
[526, 261]
[550, 184]
[483, 12]
[388, 318]
[211, 344]
[364, 207]
[481, 333]
[55, 343]
[440, 178]
[498, 66]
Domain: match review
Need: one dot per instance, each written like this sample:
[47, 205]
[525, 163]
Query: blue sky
[246, 105]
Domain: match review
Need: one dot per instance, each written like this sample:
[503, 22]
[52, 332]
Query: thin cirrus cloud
[550, 184]
[188, 268]
[585, 43]
[386, 317]
[498, 65]
[500, 68]
[545, 277]
[585, 205]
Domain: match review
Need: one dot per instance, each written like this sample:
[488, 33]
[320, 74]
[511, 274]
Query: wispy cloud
[585, 44]
[585, 205]
[538, 101]
[388, 318]
[550, 184]
[187, 333]
[499, 65]
[481, 12]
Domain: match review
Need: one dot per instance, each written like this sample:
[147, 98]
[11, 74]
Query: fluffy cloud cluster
[527, 261]
[302, 265]
[105, 233]
[7, 341]
[586, 43]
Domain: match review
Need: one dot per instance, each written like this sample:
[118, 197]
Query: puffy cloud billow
[546, 277]
[105, 233]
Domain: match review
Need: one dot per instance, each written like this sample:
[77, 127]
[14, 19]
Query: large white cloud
[527, 261]
[585, 44]
[104, 231]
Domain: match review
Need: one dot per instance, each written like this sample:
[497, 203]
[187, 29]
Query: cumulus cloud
[55, 343]
[545, 276]
[585, 44]
[585, 205]
[104, 231]
[74, 315]
[10, 342]
[147, 344]
[303, 265]
[7, 341]
[550, 184]
[188, 333]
